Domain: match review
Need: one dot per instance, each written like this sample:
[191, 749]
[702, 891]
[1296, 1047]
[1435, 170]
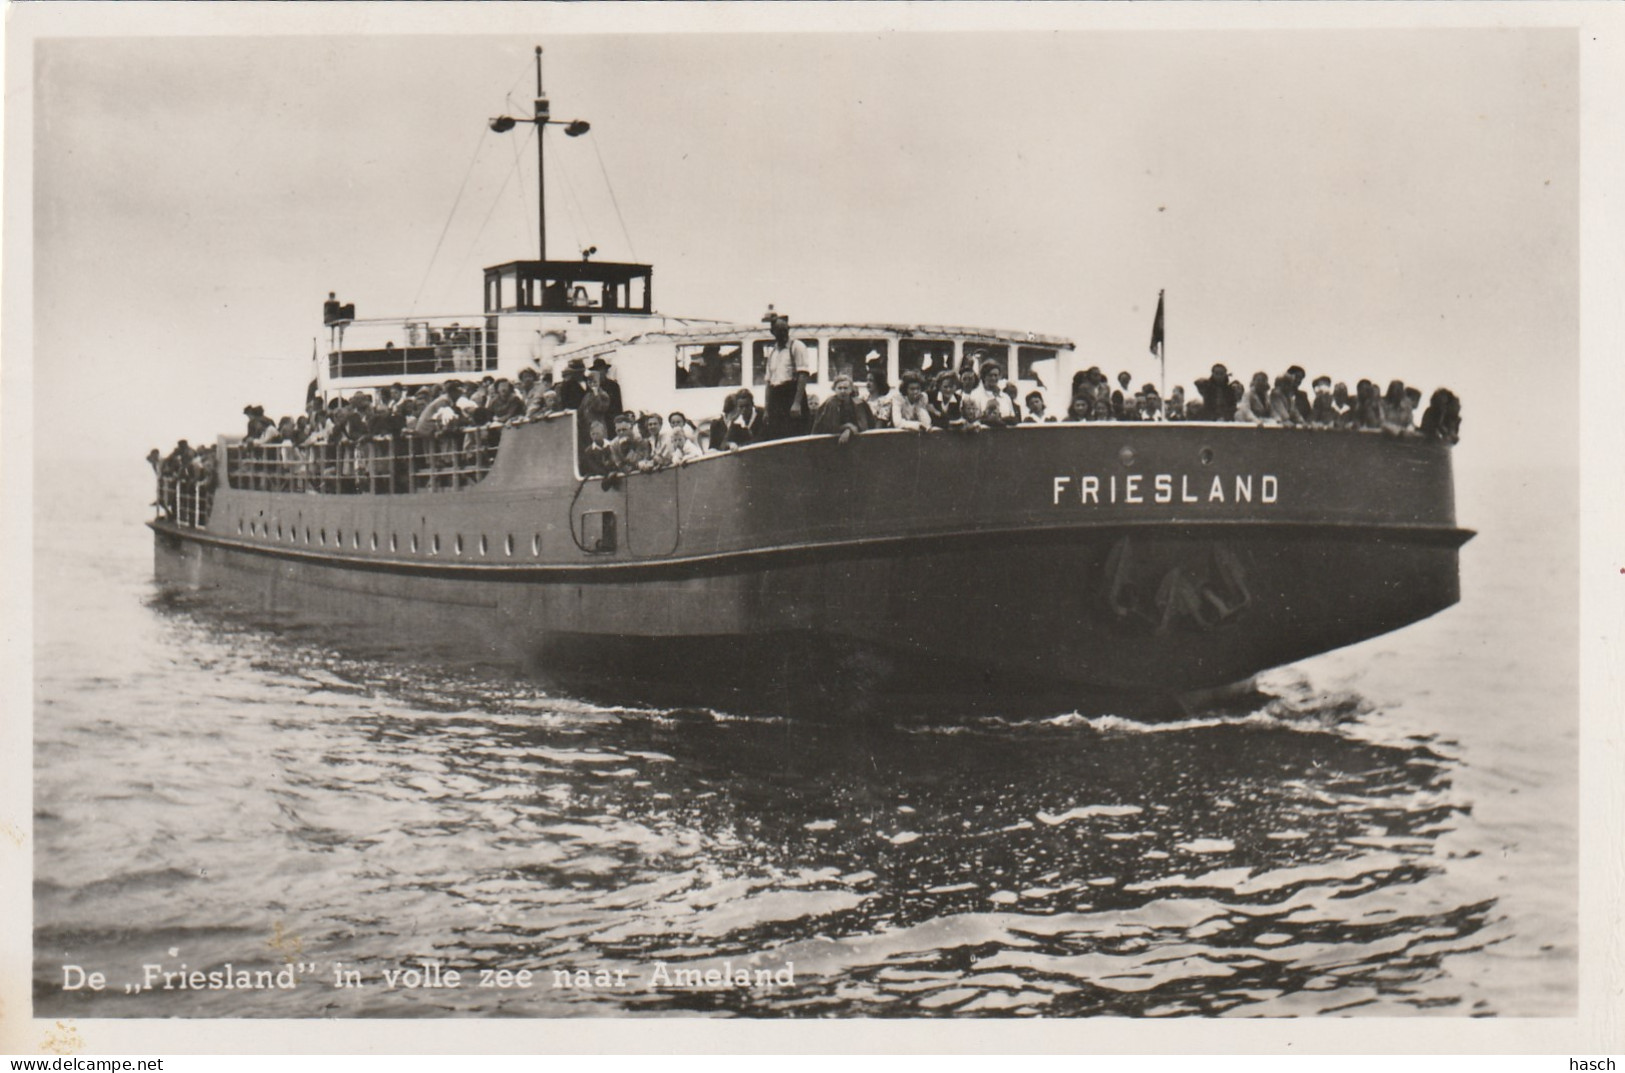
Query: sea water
[237, 820]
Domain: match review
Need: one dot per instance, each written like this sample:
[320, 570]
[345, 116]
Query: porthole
[508, 545]
[457, 544]
[414, 543]
[434, 544]
[484, 547]
[1205, 456]
[536, 544]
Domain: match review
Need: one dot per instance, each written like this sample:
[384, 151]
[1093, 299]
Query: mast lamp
[573, 128]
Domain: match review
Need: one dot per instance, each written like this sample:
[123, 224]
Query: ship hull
[1048, 601]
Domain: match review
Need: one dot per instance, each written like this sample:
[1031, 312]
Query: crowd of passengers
[465, 417]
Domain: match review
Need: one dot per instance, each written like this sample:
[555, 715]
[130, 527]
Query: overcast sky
[1381, 203]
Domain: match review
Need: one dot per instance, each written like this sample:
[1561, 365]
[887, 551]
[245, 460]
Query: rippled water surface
[1389, 829]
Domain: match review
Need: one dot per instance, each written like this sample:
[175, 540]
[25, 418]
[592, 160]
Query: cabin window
[598, 531]
[709, 365]
[759, 359]
[1027, 357]
[857, 357]
[928, 357]
[982, 354]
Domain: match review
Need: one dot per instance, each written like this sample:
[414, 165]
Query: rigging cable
[572, 204]
[412, 308]
[524, 211]
[508, 97]
[495, 201]
[613, 200]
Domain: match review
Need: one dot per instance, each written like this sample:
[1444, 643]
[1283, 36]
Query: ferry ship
[1121, 566]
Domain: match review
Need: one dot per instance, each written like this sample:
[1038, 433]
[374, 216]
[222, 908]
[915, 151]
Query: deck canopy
[568, 287]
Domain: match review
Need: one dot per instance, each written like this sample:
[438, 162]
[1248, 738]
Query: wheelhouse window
[759, 359]
[857, 357]
[581, 287]
[1034, 362]
[709, 365]
[925, 356]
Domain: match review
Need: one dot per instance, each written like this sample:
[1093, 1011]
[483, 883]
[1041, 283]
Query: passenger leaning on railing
[740, 424]
[1442, 421]
[505, 404]
[842, 414]
[679, 443]
[627, 450]
[911, 408]
[945, 410]
[597, 457]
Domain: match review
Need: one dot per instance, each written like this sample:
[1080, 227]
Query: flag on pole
[315, 372]
[1156, 327]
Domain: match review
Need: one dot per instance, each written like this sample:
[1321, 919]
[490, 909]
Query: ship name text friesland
[1130, 488]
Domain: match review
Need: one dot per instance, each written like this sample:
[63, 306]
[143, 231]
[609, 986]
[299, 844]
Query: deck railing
[184, 501]
[377, 465]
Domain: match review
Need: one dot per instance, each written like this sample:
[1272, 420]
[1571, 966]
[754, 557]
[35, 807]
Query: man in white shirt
[789, 368]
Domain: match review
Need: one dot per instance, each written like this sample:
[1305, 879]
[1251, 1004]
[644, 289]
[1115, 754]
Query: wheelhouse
[533, 309]
[579, 287]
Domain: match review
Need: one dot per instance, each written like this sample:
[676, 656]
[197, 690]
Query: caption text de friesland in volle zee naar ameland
[431, 975]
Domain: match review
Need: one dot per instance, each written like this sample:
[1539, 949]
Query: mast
[542, 112]
[541, 115]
